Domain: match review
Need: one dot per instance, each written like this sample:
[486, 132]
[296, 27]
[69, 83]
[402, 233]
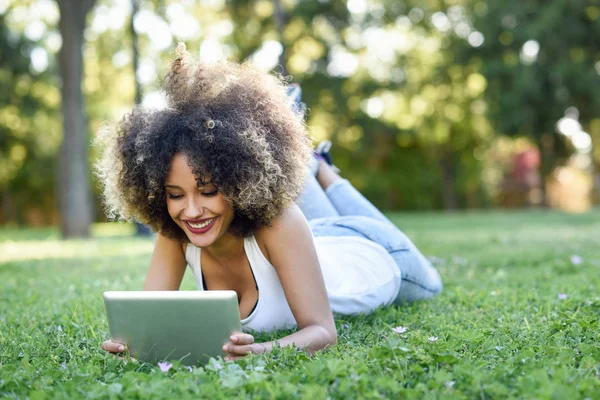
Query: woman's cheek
[171, 210]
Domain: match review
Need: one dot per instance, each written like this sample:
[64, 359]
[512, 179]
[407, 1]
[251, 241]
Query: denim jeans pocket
[382, 233]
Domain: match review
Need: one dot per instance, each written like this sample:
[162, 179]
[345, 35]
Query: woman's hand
[240, 345]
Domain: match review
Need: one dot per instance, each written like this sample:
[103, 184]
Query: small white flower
[562, 296]
[189, 368]
[576, 260]
[63, 365]
[449, 384]
[59, 328]
[164, 366]
[400, 329]
[432, 338]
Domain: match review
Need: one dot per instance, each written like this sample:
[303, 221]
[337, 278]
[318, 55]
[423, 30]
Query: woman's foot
[322, 154]
[322, 151]
[327, 174]
[295, 99]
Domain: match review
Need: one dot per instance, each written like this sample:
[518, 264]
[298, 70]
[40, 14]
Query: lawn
[518, 317]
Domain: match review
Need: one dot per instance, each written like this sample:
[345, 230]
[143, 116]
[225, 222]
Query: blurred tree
[380, 80]
[405, 89]
[140, 229]
[280, 20]
[74, 181]
[135, 54]
[28, 130]
[539, 59]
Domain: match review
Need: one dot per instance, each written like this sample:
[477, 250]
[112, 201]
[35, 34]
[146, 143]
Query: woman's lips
[199, 231]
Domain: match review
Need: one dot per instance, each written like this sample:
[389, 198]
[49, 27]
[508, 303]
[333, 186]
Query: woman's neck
[229, 247]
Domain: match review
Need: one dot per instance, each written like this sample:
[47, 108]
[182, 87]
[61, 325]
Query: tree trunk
[546, 145]
[8, 213]
[140, 229]
[279, 17]
[75, 202]
[449, 197]
[134, 51]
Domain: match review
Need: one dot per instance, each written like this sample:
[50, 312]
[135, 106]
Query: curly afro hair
[234, 125]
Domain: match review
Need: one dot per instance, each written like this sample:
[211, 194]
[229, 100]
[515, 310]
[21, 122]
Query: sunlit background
[431, 104]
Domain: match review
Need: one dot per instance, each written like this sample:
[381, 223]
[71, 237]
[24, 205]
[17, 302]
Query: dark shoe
[322, 152]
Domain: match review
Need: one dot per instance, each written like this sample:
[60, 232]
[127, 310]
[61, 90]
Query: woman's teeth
[202, 225]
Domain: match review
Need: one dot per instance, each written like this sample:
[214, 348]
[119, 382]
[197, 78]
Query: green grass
[503, 331]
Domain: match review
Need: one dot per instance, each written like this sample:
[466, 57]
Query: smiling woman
[222, 175]
[199, 210]
[255, 152]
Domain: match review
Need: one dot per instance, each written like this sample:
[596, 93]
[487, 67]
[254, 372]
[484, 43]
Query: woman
[221, 176]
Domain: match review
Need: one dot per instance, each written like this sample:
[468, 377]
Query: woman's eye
[210, 194]
[175, 196]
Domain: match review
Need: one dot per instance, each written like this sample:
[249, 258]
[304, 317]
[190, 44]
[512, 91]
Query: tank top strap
[192, 256]
[256, 259]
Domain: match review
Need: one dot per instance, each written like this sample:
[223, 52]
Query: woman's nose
[193, 210]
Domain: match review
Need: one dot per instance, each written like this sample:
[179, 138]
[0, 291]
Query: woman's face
[202, 212]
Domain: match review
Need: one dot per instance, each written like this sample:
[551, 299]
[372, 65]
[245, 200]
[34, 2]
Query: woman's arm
[291, 250]
[167, 265]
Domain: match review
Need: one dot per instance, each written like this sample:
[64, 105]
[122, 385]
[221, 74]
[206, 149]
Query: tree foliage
[413, 92]
[539, 58]
[29, 132]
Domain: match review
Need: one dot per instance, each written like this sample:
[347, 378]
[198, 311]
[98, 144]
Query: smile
[198, 228]
[201, 225]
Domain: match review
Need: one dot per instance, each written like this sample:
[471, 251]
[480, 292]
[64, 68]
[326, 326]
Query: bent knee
[420, 280]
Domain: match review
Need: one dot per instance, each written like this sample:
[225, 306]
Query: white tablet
[190, 326]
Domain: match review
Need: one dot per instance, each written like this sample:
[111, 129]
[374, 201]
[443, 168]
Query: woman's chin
[200, 240]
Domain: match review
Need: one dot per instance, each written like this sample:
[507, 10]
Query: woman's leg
[313, 201]
[344, 197]
[420, 280]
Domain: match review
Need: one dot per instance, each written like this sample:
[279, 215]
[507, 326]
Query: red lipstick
[199, 231]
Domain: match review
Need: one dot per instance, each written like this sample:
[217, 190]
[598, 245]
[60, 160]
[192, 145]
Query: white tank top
[359, 276]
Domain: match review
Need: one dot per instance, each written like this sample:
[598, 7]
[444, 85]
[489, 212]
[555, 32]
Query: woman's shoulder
[291, 218]
[284, 231]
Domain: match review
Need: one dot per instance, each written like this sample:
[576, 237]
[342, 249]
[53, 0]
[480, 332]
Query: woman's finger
[113, 347]
[234, 349]
[242, 350]
[241, 338]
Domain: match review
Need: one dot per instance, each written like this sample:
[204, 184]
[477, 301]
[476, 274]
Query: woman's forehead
[183, 164]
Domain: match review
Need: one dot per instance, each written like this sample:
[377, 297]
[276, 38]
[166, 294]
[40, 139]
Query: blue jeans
[341, 210]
